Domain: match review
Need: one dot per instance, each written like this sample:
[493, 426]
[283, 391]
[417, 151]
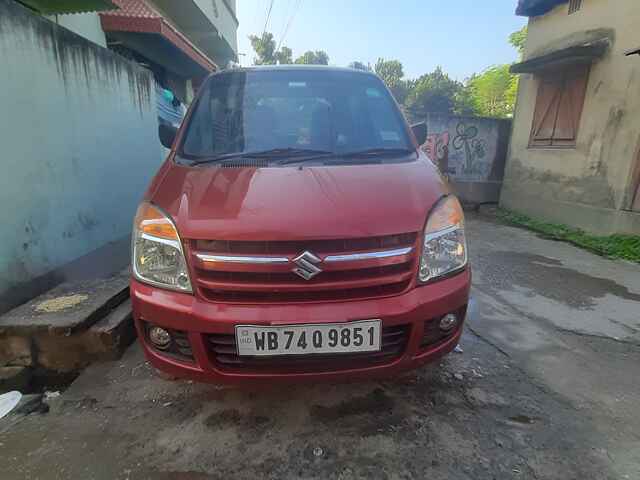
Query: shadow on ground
[475, 416]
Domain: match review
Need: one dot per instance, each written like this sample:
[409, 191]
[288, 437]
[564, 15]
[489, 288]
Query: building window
[574, 6]
[559, 107]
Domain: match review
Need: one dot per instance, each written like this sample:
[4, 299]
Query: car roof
[295, 68]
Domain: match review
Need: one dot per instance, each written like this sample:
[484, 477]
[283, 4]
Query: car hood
[292, 203]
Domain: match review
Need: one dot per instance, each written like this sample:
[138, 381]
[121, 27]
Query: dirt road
[546, 388]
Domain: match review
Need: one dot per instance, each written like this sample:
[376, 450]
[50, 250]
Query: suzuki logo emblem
[306, 267]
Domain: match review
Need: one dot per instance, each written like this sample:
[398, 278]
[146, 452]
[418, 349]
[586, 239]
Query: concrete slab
[477, 192]
[572, 289]
[14, 378]
[115, 332]
[16, 351]
[105, 340]
[68, 308]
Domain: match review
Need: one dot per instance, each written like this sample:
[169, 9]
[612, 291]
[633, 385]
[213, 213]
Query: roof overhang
[161, 51]
[574, 55]
[201, 29]
[52, 7]
[144, 30]
[533, 8]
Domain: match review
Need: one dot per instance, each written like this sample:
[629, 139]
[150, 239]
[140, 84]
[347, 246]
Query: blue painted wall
[78, 143]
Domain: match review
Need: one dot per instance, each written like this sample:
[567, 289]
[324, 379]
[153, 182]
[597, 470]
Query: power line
[285, 17]
[256, 18]
[266, 22]
[286, 30]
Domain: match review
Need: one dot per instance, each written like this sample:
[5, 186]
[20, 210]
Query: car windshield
[293, 111]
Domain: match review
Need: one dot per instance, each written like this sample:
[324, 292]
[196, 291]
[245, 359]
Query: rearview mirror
[420, 132]
[167, 134]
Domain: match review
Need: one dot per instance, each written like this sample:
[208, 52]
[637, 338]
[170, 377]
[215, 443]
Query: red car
[297, 232]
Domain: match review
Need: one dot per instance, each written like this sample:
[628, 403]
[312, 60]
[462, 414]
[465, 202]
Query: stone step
[14, 378]
[67, 328]
[115, 332]
[104, 340]
[67, 309]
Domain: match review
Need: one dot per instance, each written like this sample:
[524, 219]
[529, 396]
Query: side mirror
[167, 134]
[420, 132]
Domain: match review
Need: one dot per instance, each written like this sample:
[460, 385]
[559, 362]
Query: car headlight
[444, 249]
[158, 258]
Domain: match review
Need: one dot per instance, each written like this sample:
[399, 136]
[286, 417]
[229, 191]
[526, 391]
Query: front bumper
[197, 317]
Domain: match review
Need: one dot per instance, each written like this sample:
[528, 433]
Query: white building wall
[224, 21]
[86, 25]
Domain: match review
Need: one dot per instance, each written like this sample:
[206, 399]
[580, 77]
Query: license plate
[351, 337]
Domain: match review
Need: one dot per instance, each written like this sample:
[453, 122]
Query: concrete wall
[590, 186]
[86, 25]
[471, 151]
[78, 128]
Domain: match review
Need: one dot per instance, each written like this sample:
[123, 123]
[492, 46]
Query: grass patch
[614, 246]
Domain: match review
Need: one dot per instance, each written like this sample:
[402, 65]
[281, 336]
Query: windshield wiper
[309, 155]
[286, 152]
[358, 156]
[296, 155]
[273, 153]
[369, 155]
[376, 152]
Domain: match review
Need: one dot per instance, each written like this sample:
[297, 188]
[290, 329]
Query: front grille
[244, 163]
[296, 246]
[265, 282]
[222, 349]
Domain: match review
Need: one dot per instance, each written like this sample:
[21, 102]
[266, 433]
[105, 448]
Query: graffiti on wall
[461, 149]
[474, 149]
[436, 148]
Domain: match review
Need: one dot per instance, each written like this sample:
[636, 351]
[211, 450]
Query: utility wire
[266, 22]
[256, 18]
[286, 30]
[287, 13]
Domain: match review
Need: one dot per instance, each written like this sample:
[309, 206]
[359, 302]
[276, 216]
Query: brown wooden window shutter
[574, 6]
[559, 107]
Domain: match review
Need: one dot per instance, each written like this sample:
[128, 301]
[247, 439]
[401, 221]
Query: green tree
[433, 92]
[360, 66]
[265, 47]
[463, 99]
[319, 57]
[390, 71]
[284, 56]
[518, 39]
[493, 91]
[392, 74]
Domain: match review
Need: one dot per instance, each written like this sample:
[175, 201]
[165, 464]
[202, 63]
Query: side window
[559, 107]
[384, 121]
[216, 125]
[375, 121]
[199, 138]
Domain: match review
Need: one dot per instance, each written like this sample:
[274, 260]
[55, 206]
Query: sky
[462, 36]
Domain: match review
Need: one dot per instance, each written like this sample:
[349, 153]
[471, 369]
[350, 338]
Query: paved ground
[547, 388]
